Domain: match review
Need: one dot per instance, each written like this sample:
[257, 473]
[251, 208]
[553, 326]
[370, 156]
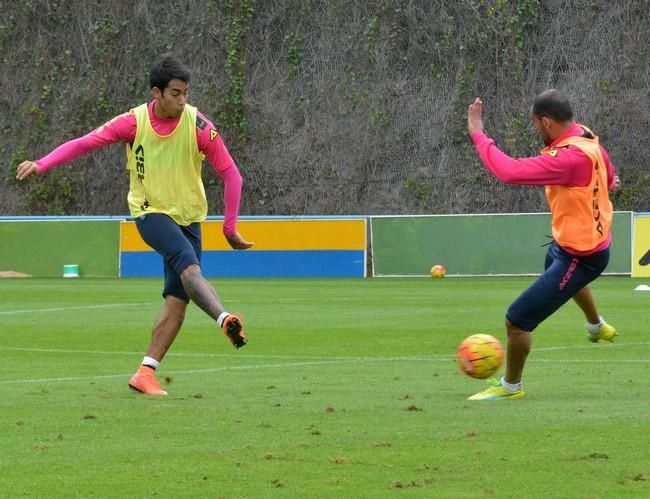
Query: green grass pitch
[347, 388]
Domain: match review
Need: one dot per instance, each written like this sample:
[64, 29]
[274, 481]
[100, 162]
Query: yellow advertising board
[641, 248]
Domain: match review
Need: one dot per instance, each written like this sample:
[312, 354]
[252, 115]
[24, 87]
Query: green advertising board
[41, 248]
[509, 244]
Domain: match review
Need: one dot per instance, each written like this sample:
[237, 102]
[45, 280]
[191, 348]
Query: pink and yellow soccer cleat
[497, 392]
[605, 332]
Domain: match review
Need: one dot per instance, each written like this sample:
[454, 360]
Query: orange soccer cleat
[144, 381]
[233, 328]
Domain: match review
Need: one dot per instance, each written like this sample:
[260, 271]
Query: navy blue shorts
[565, 275]
[179, 246]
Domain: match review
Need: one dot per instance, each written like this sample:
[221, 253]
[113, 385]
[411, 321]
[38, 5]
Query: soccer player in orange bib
[577, 173]
[166, 142]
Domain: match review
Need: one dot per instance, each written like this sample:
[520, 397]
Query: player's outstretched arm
[237, 242]
[27, 169]
[122, 128]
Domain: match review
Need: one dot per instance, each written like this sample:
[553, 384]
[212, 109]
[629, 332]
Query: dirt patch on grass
[7, 274]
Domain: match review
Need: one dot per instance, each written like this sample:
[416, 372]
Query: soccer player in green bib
[166, 142]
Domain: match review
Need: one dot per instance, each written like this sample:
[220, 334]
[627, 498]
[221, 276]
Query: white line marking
[595, 361]
[297, 357]
[288, 365]
[586, 345]
[63, 309]
[309, 361]
[222, 355]
[231, 368]
[57, 350]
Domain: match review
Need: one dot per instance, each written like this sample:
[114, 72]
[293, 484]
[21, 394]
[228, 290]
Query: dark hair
[167, 68]
[553, 104]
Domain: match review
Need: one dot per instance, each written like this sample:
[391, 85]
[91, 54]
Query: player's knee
[174, 310]
[191, 270]
[178, 317]
[513, 329]
[179, 313]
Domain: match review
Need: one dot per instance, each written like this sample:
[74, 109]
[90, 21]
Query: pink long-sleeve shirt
[569, 167]
[122, 128]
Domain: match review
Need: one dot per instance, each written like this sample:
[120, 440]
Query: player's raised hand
[475, 116]
[237, 242]
[27, 168]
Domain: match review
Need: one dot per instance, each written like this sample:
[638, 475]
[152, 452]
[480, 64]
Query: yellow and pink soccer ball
[438, 271]
[479, 355]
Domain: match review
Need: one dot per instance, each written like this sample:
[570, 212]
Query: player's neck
[159, 111]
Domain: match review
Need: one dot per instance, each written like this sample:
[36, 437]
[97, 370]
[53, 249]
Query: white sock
[513, 387]
[222, 318]
[594, 328]
[151, 362]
